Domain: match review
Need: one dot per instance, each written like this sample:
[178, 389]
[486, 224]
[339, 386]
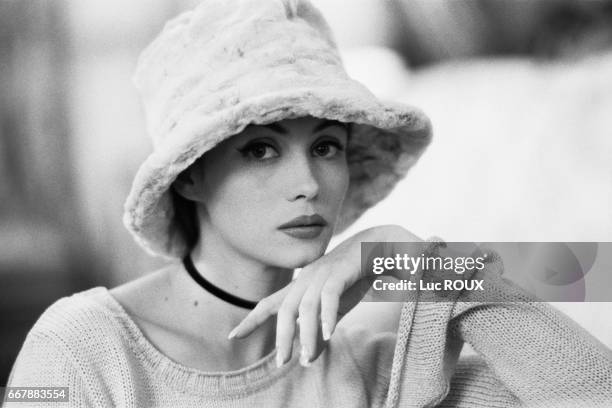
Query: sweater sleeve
[529, 354]
[42, 363]
[535, 352]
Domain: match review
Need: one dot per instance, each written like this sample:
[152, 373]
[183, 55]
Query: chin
[300, 255]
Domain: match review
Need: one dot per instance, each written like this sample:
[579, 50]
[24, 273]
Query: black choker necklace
[218, 292]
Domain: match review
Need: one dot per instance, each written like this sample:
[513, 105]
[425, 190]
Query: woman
[264, 149]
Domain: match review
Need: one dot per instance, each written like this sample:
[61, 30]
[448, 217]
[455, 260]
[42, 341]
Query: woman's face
[251, 184]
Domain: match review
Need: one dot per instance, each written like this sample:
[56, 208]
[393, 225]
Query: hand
[324, 291]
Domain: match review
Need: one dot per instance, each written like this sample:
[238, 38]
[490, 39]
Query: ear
[185, 184]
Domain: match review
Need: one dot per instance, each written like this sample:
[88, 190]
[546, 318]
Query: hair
[349, 131]
[186, 219]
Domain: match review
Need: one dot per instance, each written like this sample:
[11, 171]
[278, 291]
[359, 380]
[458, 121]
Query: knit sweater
[528, 354]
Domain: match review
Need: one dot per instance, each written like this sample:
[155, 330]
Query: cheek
[244, 211]
[337, 180]
[239, 203]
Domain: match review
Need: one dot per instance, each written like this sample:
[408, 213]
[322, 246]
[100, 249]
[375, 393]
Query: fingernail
[304, 357]
[279, 359]
[326, 331]
[232, 334]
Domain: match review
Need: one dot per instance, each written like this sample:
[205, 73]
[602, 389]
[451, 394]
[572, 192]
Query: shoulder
[75, 315]
[69, 345]
[80, 326]
[79, 319]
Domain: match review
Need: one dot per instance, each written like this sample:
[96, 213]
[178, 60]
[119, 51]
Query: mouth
[304, 227]
[314, 220]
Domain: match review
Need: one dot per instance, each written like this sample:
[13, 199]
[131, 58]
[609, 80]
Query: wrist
[391, 240]
[419, 251]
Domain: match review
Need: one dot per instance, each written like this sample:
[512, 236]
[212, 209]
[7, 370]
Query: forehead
[306, 124]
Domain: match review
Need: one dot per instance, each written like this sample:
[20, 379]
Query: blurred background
[519, 92]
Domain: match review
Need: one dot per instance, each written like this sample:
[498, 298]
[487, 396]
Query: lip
[305, 226]
[314, 220]
[308, 232]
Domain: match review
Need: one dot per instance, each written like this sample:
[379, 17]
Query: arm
[539, 354]
[529, 354]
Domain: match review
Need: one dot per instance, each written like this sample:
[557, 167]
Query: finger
[309, 322]
[265, 308]
[311, 338]
[285, 329]
[336, 294]
[339, 296]
[320, 346]
[335, 302]
[260, 314]
[287, 314]
[330, 299]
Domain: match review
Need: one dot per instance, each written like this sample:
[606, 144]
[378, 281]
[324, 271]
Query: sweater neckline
[251, 378]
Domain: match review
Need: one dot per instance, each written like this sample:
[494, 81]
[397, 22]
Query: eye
[328, 148]
[259, 151]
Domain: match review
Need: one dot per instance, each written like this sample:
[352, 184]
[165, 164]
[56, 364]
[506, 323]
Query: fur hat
[229, 63]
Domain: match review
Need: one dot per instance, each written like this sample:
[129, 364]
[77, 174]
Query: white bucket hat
[229, 63]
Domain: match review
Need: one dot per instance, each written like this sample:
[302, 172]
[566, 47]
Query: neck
[204, 313]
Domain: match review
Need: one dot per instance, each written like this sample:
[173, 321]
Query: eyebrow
[328, 123]
[323, 125]
[277, 128]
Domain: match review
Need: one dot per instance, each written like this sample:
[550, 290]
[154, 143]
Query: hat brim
[387, 139]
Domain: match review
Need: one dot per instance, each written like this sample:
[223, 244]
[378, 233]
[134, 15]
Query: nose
[303, 179]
